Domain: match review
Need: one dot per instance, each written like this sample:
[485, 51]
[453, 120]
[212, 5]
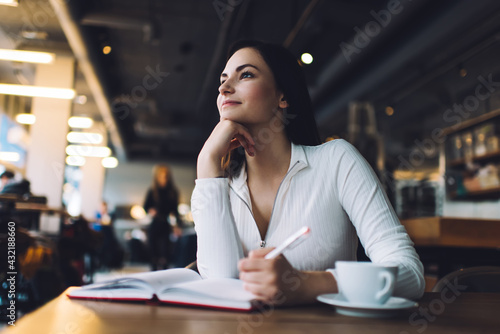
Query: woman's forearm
[309, 285]
[317, 283]
[208, 166]
[219, 248]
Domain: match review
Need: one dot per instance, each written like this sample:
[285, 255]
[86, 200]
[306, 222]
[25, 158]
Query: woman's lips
[230, 103]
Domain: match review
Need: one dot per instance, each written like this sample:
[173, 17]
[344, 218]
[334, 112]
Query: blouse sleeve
[219, 245]
[384, 238]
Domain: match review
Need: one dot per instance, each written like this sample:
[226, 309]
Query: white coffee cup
[365, 282]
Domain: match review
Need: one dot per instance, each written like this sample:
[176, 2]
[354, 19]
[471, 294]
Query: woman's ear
[283, 103]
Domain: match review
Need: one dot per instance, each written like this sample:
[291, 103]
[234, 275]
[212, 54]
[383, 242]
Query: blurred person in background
[110, 253]
[162, 200]
[9, 185]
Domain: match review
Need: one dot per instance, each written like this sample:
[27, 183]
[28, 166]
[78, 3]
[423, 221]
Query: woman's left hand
[274, 281]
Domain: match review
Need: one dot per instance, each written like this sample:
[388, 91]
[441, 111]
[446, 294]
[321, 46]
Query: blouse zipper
[277, 193]
[262, 243]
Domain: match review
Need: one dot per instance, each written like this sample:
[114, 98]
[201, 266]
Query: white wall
[127, 184]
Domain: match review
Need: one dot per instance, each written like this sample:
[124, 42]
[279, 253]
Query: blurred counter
[446, 244]
[454, 232]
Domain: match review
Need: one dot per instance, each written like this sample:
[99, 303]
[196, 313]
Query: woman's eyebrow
[239, 68]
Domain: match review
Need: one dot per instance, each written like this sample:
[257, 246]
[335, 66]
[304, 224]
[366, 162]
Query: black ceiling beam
[450, 21]
[114, 21]
[340, 69]
[396, 93]
[306, 14]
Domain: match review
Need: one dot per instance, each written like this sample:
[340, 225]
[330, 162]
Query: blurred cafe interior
[95, 93]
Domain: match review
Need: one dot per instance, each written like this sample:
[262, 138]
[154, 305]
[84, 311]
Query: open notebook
[173, 286]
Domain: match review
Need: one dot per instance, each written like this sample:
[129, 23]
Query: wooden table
[454, 232]
[460, 313]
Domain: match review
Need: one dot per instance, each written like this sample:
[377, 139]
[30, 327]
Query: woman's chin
[231, 116]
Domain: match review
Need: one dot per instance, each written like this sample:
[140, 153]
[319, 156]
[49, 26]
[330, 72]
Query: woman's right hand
[225, 137]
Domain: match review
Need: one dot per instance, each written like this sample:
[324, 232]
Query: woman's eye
[246, 75]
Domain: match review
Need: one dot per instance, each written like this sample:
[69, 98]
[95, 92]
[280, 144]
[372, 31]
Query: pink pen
[291, 242]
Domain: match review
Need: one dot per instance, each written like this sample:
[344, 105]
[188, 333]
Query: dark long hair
[299, 122]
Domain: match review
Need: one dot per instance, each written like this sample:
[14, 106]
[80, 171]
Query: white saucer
[389, 309]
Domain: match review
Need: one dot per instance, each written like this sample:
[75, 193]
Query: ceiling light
[106, 50]
[27, 56]
[80, 122]
[25, 118]
[13, 3]
[306, 58]
[36, 91]
[75, 160]
[81, 99]
[10, 156]
[109, 162]
[88, 151]
[389, 111]
[84, 137]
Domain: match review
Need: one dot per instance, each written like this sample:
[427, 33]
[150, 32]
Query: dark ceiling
[160, 79]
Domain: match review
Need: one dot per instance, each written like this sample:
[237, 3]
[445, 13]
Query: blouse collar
[298, 157]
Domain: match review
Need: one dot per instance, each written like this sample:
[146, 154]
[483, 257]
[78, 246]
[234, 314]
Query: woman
[246, 202]
[162, 199]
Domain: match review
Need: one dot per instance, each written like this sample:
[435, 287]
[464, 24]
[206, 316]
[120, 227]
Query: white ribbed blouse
[331, 189]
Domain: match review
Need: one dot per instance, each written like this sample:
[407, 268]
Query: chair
[476, 279]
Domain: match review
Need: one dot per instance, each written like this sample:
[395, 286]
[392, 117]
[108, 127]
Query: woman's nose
[225, 88]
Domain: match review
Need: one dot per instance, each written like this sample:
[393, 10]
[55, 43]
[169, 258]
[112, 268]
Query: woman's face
[248, 93]
[162, 177]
